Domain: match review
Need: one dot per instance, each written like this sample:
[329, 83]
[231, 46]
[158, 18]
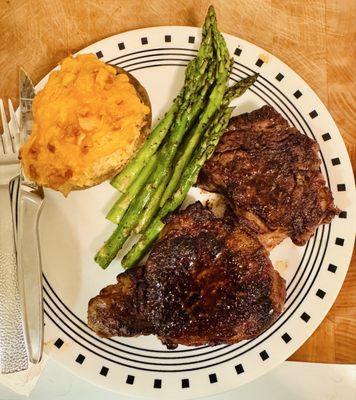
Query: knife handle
[13, 354]
[30, 272]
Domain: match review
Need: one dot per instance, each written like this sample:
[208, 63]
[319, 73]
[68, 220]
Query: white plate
[72, 230]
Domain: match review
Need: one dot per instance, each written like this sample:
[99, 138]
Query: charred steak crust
[117, 310]
[270, 174]
[205, 282]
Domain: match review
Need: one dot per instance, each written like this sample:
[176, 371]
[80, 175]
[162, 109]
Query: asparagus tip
[211, 11]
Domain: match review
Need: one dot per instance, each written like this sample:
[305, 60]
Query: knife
[29, 207]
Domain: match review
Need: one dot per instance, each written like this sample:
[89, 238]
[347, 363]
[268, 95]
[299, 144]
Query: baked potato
[88, 121]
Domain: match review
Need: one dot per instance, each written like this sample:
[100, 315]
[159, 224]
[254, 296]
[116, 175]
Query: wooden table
[316, 38]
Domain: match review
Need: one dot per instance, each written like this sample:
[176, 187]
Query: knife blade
[29, 207]
[27, 94]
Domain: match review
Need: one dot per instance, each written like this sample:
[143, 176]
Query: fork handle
[13, 354]
[30, 272]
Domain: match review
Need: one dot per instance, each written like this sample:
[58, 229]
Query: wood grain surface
[315, 37]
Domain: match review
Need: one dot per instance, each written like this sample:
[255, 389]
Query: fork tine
[6, 138]
[1, 135]
[15, 131]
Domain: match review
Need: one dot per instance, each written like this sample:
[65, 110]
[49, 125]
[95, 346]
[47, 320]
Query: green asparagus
[135, 165]
[185, 115]
[150, 194]
[121, 205]
[194, 72]
[161, 177]
[152, 207]
[130, 219]
[189, 177]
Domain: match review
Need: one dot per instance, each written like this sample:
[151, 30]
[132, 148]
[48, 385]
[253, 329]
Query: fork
[13, 351]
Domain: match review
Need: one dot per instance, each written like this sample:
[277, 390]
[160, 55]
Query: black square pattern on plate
[264, 355]
[191, 39]
[305, 317]
[130, 379]
[297, 94]
[286, 338]
[313, 114]
[121, 46]
[99, 54]
[167, 38]
[58, 343]
[239, 369]
[332, 268]
[157, 384]
[213, 378]
[185, 383]
[335, 161]
[343, 214]
[259, 63]
[326, 137]
[143, 41]
[80, 359]
[279, 77]
[339, 241]
[341, 187]
[320, 293]
[104, 371]
[238, 51]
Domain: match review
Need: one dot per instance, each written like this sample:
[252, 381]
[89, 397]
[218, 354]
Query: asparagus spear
[111, 247]
[194, 72]
[185, 153]
[160, 179]
[189, 177]
[152, 207]
[119, 208]
[130, 219]
[121, 205]
[124, 178]
[203, 153]
[109, 250]
[239, 88]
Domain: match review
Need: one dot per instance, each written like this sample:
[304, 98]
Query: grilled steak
[270, 174]
[205, 282]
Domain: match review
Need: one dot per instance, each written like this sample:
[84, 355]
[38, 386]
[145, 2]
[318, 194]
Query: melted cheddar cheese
[85, 114]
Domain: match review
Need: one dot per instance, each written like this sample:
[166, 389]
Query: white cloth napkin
[24, 382]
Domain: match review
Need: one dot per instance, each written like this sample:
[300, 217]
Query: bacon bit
[109, 82]
[68, 174]
[84, 149]
[56, 179]
[34, 151]
[33, 172]
[72, 130]
[51, 147]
